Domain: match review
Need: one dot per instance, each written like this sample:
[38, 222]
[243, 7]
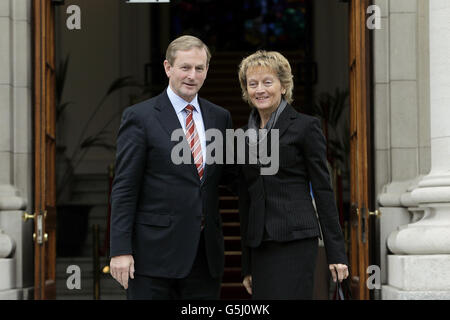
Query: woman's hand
[247, 282]
[342, 271]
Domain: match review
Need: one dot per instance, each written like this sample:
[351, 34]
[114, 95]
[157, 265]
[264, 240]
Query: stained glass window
[243, 24]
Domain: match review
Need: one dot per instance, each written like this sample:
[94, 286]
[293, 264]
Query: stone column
[401, 113]
[420, 268]
[16, 266]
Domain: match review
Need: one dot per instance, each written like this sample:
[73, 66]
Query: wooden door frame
[361, 133]
[43, 28]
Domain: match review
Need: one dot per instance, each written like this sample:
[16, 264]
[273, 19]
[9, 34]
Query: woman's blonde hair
[275, 62]
[185, 43]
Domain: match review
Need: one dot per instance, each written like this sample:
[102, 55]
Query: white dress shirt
[179, 104]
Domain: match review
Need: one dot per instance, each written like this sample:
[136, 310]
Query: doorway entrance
[232, 32]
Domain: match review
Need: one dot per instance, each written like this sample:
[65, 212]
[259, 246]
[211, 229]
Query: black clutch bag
[342, 291]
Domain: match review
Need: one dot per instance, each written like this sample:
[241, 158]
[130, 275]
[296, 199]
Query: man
[166, 232]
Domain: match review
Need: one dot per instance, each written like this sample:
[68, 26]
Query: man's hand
[121, 268]
[247, 282]
[342, 271]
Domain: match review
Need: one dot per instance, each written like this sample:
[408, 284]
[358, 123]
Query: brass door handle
[375, 213]
[45, 237]
[26, 216]
[105, 269]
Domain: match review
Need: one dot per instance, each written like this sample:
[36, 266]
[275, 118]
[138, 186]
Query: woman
[279, 225]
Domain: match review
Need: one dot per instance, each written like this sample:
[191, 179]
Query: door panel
[360, 142]
[44, 150]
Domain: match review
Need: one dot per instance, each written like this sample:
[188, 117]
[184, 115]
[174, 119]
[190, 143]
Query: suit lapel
[169, 120]
[167, 116]
[285, 119]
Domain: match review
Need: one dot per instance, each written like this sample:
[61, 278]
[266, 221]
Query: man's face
[188, 72]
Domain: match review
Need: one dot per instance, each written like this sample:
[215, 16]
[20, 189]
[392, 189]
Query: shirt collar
[179, 103]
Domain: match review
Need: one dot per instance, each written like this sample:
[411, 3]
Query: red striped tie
[194, 141]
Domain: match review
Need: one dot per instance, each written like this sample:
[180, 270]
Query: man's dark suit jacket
[157, 206]
[282, 203]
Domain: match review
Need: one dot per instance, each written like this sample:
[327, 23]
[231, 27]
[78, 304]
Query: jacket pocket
[153, 219]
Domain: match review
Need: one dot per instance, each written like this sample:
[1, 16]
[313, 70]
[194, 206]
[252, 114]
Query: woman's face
[264, 88]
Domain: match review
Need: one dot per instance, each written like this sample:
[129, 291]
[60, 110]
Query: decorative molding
[398, 193]
[10, 199]
[7, 245]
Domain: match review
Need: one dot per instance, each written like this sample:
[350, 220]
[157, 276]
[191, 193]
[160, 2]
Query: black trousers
[284, 270]
[198, 285]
